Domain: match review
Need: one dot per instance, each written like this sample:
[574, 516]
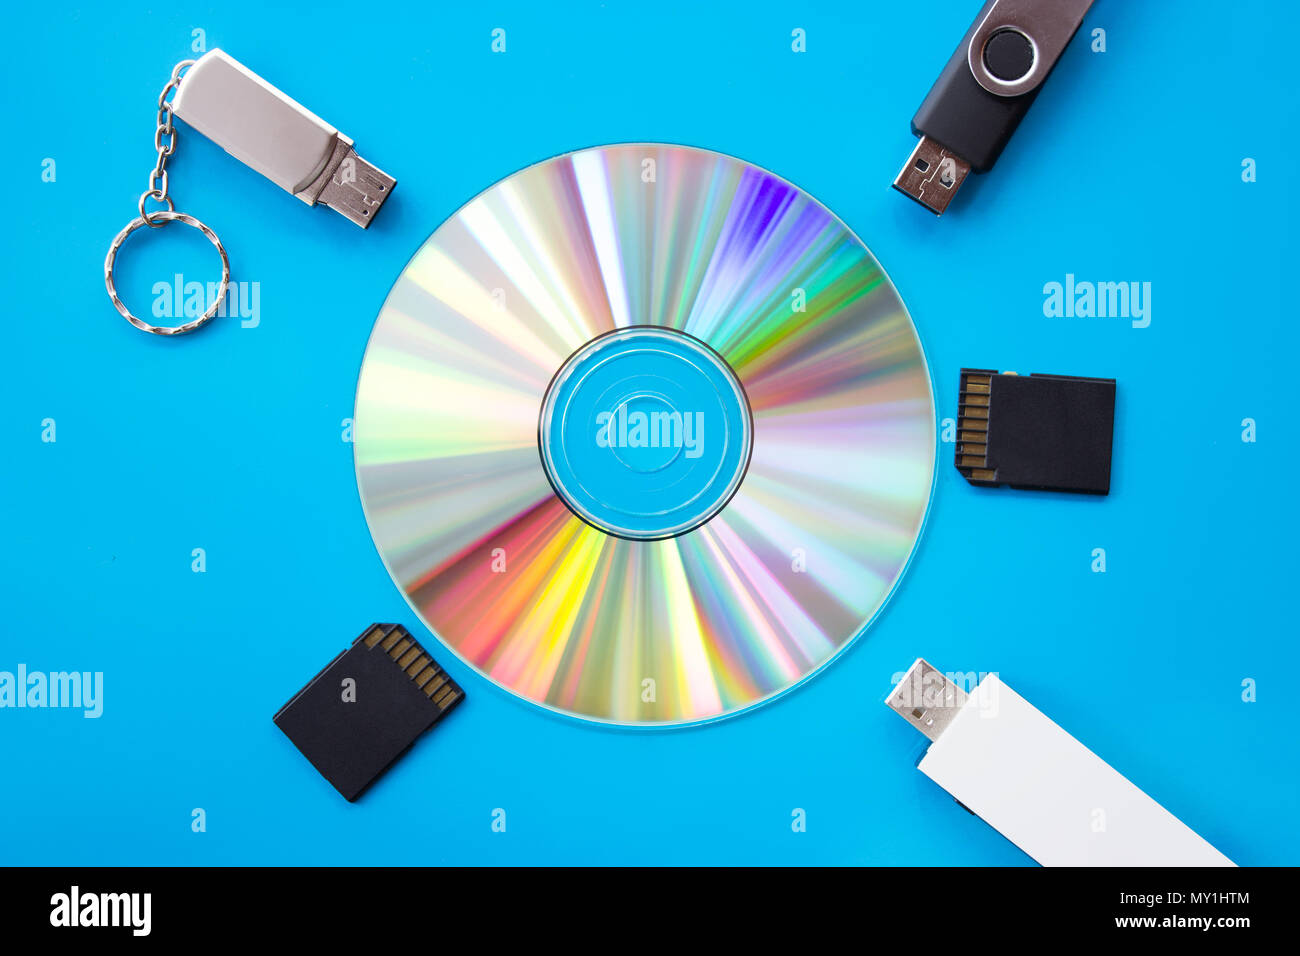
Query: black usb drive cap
[1044, 432]
[367, 707]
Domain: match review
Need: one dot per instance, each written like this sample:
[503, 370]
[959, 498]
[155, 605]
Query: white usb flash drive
[289, 145]
[1012, 766]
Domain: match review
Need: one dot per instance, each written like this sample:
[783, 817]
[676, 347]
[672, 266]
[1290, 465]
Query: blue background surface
[1128, 168]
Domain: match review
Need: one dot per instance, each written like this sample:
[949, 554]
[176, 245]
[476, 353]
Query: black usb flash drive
[980, 97]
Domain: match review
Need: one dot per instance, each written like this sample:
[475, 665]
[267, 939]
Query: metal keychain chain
[164, 139]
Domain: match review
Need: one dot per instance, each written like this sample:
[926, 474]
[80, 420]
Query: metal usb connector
[932, 175]
[926, 699]
[351, 186]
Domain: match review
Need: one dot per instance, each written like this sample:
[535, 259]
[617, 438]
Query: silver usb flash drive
[289, 145]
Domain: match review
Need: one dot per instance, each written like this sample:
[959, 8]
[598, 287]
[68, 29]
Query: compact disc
[645, 434]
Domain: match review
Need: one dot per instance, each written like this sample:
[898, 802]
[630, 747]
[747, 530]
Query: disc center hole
[646, 433]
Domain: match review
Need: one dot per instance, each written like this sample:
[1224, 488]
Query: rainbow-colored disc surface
[645, 434]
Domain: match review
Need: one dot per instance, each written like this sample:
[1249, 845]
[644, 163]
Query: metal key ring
[161, 218]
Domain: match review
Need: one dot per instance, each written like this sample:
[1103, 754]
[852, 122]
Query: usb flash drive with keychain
[1012, 766]
[983, 93]
[261, 127]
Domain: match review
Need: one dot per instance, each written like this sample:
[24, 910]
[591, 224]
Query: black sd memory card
[366, 708]
[1050, 432]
